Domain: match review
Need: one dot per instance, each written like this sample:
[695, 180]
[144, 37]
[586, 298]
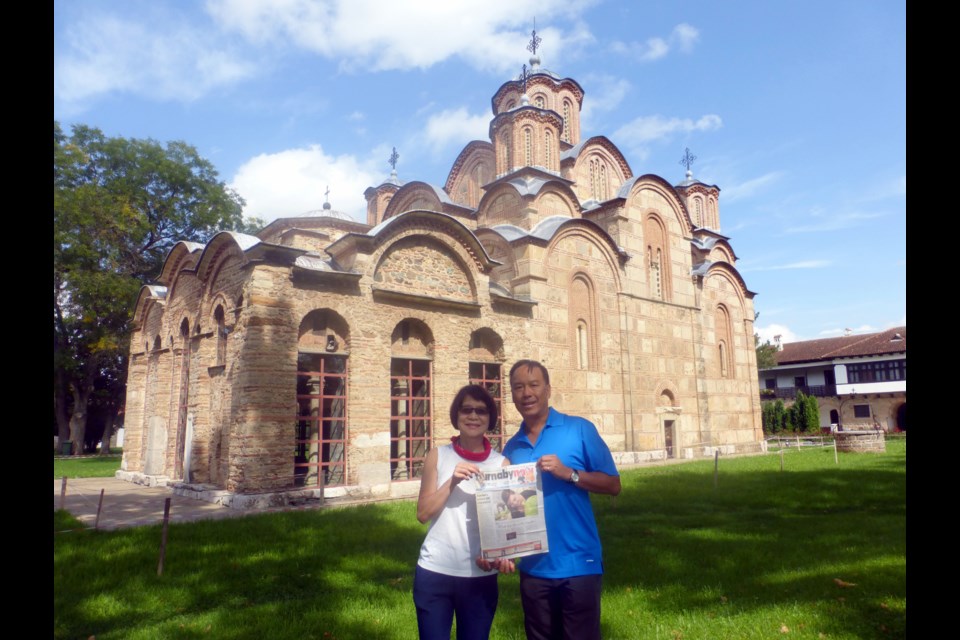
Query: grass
[758, 556]
[86, 467]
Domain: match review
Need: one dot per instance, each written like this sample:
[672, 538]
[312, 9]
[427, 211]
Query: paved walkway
[126, 504]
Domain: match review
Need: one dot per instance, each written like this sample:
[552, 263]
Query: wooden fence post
[781, 459]
[716, 466]
[96, 523]
[63, 493]
[163, 536]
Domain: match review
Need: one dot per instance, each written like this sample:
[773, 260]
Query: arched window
[724, 338]
[712, 213]
[583, 322]
[658, 257]
[593, 178]
[527, 146]
[567, 107]
[485, 368]
[220, 320]
[583, 352]
[321, 422]
[547, 149]
[698, 212]
[656, 272]
[411, 393]
[539, 101]
[598, 179]
[505, 155]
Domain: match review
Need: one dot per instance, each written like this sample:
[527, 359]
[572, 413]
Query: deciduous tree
[119, 207]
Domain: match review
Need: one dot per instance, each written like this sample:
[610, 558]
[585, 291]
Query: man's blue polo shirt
[571, 527]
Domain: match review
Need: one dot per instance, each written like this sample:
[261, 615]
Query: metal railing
[789, 393]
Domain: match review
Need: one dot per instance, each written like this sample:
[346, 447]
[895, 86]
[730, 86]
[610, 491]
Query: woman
[448, 579]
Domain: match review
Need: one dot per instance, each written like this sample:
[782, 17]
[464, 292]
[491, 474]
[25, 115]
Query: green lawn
[86, 467]
[759, 556]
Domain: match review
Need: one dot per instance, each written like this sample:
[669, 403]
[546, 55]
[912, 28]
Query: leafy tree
[790, 419]
[812, 408]
[766, 353]
[779, 415]
[771, 423]
[119, 207]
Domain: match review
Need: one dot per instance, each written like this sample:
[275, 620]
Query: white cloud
[832, 333]
[832, 221]
[293, 182]
[159, 58]
[772, 331]
[455, 126]
[647, 129]
[377, 35]
[902, 322]
[749, 188]
[683, 37]
[802, 264]
[170, 53]
[655, 49]
[606, 94]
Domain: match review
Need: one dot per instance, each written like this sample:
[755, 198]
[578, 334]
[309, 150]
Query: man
[560, 590]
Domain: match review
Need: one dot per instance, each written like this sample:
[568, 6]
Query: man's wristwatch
[574, 476]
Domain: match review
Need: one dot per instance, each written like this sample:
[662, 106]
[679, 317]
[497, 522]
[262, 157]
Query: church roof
[548, 227]
[701, 269]
[544, 230]
[870, 344]
[689, 181]
[325, 212]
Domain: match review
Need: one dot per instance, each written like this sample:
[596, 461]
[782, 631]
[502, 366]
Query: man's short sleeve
[596, 451]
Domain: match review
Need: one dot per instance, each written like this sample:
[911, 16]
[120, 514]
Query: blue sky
[796, 110]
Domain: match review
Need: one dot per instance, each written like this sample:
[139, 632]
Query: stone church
[319, 357]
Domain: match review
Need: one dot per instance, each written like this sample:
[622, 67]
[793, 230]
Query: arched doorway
[902, 417]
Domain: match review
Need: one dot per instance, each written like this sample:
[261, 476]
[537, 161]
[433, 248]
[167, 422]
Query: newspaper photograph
[510, 512]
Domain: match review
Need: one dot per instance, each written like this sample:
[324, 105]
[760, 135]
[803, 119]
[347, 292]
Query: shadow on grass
[260, 576]
[761, 543]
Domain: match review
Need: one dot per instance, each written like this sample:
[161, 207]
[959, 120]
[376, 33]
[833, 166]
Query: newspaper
[510, 512]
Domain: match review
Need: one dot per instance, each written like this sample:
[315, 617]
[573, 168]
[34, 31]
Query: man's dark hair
[530, 364]
[475, 392]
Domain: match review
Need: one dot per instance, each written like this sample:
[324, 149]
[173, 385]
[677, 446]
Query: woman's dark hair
[475, 392]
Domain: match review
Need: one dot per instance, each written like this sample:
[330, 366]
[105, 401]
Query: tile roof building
[860, 381]
[325, 351]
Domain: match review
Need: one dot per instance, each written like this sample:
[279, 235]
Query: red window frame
[489, 375]
[411, 416]
[321, 426]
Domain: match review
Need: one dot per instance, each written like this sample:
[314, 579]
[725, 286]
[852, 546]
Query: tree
[779, 415]
[119, 207]
[766, 352]
[769, 418]
[812, 408]
[798, 413]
